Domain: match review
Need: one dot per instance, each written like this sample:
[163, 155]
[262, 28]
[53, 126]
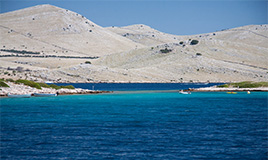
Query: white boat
[19, 95]
[182, 92]
[44, 95]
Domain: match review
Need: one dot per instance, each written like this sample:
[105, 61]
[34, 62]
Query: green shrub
[68, 87]
[165, 50]
[59, 87]
[181, 42]
[198, 54]
[3, 84]
[87, 62]
[54, 86]
[246, 84]
[223, 86]
[44, 85]
[194, 42]
[28, 83]
[9, 80]
[263, 84]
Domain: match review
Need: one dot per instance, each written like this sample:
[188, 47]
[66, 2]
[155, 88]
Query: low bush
[263, 84]
[44, 85]
[54, 86]
[9, 80]
[223, 86]
[165, 50]
[59, 87]
[194, 42]
[68, 87]
[87, 62]
[3, 84]
[198, 54]
[28, 83]
[245, 84]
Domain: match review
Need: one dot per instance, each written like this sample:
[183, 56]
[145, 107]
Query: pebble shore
[20, 89]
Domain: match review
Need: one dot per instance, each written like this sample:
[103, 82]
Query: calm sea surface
[138, 86]
[138, 125]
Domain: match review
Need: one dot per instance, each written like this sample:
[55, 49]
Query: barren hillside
[62, 46]
[52, 30]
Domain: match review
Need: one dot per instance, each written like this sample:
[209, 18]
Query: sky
[180, 17]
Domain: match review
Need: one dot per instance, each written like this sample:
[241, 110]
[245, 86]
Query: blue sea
[136, 125]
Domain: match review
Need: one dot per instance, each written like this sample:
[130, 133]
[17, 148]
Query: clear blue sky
[179, 17]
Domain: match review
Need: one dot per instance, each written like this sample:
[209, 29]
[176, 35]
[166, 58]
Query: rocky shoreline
[21, 89]
[217, 89]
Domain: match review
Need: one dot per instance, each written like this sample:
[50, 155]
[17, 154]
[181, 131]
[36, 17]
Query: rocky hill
[47, 43]
[56, 31]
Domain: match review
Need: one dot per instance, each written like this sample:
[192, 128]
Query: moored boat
[45, 94]
[19, 95]
[182, 92]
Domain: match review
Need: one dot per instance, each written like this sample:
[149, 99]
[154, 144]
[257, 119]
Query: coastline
[215, 89]
[21, 89]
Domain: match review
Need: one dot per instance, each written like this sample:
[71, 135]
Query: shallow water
[136, 126]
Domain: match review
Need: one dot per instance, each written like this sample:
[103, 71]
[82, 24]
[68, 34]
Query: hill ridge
[48, 43]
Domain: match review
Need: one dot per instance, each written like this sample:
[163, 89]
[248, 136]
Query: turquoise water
[136, 126]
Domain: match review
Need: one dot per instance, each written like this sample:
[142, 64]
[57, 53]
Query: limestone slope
[136, 53]
[58, 31]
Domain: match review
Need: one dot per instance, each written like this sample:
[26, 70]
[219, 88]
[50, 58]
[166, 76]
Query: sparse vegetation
[19, 52]
[54, 86]
[194, 42]
[59, 87]
[87, 62]
[223, 86]
[68, 87]
[28, 83]
[44, 85]
[3, 84]
[245, 84]
[9, 80]
[165, 50]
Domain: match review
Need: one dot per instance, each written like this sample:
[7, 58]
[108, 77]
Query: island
[26, 87]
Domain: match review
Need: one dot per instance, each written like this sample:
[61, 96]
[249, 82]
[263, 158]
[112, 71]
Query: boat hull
[44, 95]
[19, 95]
